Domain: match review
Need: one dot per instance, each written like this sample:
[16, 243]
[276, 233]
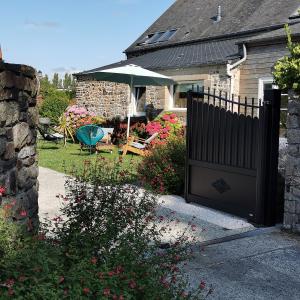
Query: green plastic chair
[89, 135]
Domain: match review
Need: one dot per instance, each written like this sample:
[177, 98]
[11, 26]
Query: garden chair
[138, 146]
[89, 136]
[105, 143]
[47, 132]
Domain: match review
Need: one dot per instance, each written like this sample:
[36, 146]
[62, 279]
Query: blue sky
[72, 35]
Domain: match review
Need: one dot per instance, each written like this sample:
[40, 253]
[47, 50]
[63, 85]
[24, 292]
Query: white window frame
[171, 100]
[261, 82]
[135, 113]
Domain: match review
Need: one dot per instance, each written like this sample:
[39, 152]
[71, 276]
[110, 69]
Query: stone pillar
[18, 158]
[292, 189]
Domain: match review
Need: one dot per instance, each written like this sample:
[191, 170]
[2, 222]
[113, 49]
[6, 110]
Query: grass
[65, 159]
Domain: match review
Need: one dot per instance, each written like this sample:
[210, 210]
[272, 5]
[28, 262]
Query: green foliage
[54, 104]
[104, 245]
[287, 69]
[163, 169]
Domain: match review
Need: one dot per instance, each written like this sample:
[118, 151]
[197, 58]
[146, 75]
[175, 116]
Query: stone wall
[18, 119]
[292, 171]
[106, 99]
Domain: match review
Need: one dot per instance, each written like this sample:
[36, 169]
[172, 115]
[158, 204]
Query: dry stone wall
[18, 119]
[292, 170]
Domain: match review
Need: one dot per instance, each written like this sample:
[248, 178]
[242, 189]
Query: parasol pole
[129, 107]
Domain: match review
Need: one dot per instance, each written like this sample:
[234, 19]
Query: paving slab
[266, 266]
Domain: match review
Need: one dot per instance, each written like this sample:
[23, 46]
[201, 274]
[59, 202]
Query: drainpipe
[231, 67]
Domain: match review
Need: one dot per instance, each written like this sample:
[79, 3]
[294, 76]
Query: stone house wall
[109, 99]
[292, 170]
[106, 99]
[18, 119]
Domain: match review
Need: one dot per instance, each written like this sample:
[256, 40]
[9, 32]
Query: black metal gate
[232, 154]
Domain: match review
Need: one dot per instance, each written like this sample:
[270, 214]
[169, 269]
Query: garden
[108, 240]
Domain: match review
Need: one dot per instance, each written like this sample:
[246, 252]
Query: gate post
[187, 155]
[268, 158]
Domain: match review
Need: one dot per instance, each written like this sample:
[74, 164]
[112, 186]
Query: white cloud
[41, 25]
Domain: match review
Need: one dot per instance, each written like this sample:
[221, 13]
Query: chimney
[1, 58]
[219, 15]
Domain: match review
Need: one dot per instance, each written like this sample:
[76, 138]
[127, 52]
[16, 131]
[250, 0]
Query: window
[180, 92]
[167, 35]
[139, 100]
[267, 83]
[264, 84]
[157, 37]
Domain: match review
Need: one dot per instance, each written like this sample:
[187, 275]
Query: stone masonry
[106, 99]
[292, 191]
[18, 119]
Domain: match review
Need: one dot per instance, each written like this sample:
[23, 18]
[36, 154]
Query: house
[226, 45]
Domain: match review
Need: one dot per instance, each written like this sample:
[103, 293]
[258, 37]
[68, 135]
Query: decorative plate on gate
[221, 186]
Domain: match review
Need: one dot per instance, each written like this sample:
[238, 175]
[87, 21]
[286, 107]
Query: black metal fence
[232, 153]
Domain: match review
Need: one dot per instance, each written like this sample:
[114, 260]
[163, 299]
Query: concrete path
[265, 265]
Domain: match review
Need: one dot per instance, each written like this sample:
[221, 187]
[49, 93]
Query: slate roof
[194, 19]
[273, 35]
[207, 53]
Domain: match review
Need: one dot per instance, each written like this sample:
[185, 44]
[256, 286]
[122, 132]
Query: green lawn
[64, 159]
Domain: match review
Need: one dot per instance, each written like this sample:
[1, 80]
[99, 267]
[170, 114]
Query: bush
[54, 104]
[287, 69]
[164, 169]
[167, 126]
[104, 245]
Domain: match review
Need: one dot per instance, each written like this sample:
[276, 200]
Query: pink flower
[106, 292]
[94, 260]
[166, 117]
[86, 290]
[23, 213]
[2, 190]
[173, 116]
[132, 284]
[173, 121]
[202, 285]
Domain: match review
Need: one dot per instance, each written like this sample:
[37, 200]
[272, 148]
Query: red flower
[2, 190]
[173, 116]
[94, 260]
[111, 273]
[86, 290]
[106, 292]
[202, 285]
[23, 213]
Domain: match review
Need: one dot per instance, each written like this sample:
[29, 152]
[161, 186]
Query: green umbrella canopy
[131, 75]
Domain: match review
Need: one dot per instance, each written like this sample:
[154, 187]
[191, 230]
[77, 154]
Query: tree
[287, 69]
[55, 80]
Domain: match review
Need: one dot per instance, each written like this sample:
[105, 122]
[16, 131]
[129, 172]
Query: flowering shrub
[164, 169]
[167, 125]
[75, 117]
[106, 244]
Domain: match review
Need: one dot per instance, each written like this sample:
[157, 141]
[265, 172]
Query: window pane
[140, 96]
[180, 92]
[268, 86]
[155, 37]
[166, 36]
